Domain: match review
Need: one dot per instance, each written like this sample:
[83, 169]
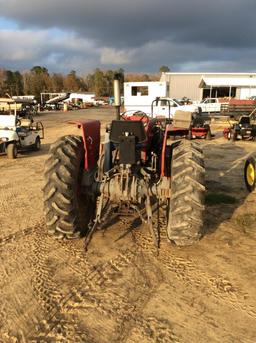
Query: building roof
[143, 83]
[228, 82]
[203, 73]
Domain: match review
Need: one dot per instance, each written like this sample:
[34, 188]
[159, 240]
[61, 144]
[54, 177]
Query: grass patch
[219, 198]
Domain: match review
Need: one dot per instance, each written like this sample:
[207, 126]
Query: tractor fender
[91, 138]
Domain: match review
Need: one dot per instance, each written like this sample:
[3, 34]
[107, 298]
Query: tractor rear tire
[12, 151]
[68, 212]
[250, 174]
[186, 205]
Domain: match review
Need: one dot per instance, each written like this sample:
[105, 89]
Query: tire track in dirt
[99, 293]
[186, 270]
[86, 292]
[154, 330]
[49, 297]
[124, 304]
[52, 299]
[12, 266]
[72, 253]
[35, 251]
[38, 248]
[103, 292]
[18, 235]
[44, 287]
[87, 297]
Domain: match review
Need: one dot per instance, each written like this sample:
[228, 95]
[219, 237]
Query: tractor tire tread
[186, 206]
[67, 213]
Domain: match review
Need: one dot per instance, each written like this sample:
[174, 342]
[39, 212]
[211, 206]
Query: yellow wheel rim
[250, 174]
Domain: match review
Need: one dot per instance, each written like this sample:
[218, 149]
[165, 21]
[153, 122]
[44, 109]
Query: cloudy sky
[136, 35]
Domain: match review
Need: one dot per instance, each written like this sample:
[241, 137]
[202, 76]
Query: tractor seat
[198, 121]
[126, 128]
[24, 122]
[244, 120]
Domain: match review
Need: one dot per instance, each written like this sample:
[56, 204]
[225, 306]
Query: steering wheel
[140, 114]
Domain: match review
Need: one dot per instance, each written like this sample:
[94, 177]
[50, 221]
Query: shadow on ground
[225, 187]
[30, 152]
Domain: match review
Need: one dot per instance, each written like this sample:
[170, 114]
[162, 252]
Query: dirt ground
[120, 290]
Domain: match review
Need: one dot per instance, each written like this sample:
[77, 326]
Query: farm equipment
[244, 128]
[199, 128]
[250, 173]
[139, 170]
[185, 123]
[18, 134]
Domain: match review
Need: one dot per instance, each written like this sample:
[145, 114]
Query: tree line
[38, 80]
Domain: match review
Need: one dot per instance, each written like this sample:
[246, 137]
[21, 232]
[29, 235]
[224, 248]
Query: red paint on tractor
[226, 131]
[199, 131]
[91, 137]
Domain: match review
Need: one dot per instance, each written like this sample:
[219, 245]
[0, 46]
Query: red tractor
[139, 169]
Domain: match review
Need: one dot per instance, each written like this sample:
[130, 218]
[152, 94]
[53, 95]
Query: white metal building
[197, 86]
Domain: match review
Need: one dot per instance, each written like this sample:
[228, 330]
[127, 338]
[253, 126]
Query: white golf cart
[17, 134]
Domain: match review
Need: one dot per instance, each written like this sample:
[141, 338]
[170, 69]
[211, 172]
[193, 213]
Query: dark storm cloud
[137, 35]
[135, 22]
[42, 47]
